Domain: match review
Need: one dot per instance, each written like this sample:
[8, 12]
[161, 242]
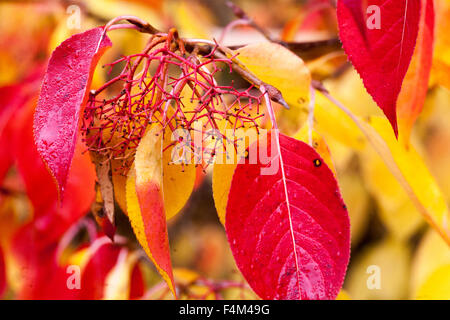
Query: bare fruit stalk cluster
[167, 85]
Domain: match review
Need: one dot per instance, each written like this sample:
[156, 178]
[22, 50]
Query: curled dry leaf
[99, 210]
[145, 203]
[63, 94]
[380, 45]
[289, 231]
[104, 176]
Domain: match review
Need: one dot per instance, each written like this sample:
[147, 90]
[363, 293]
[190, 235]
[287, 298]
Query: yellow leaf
[279, 67]
[82, 256]
[356, 197]
[343, 295]
[185, 276]
[317, 142]
[437, 286]
[431, 254]
[118, 280]
[349, 89]
[407, 167]
[221, 184]
[332, 122]
[395, 209]
[178, 181]
[188, 278]
[224, 167]
[380, 272]
[412, 174]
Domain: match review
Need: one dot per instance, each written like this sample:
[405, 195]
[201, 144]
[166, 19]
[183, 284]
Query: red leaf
[289, 232]
[95, 272]
[103, 261]
[63, 95]
[51, 220]
[12, 99]
[381, 56]
[137, 285]
[42, 278]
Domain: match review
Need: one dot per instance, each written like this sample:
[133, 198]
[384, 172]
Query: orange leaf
[145, 203]
[415, 85]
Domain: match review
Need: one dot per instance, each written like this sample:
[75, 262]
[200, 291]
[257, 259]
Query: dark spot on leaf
[317, 162]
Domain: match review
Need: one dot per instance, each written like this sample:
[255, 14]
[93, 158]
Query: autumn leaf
[63, 95]
[41, 277]
[279, 67]
[145, 203]
[273, 64]
[431, 255]
[221, 184]
[437, 286]
[289, 231]
[412, 174]
[106, 188]
[415, 85]
[53, 218]
[13, 98]
[395, 209]
[178, 181]
[380, 45]
[407, 167]
[358, 202]
[225, 165]
[332, 122]
[310, 136]
[380, 272]
[111, 272]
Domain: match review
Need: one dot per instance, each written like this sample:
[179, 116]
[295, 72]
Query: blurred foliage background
[387, 230]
